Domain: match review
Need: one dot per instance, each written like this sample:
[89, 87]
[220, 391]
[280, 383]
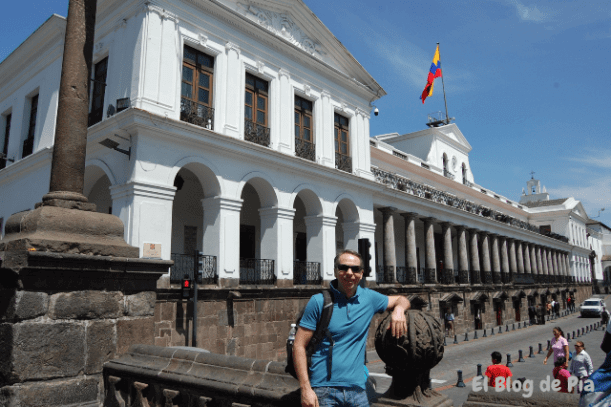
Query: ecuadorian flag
[435, 72]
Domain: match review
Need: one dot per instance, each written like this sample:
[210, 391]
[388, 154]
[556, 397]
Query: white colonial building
[241, 129]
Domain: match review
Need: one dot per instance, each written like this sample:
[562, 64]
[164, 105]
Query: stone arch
[98, 180]
[204, 170]
[264, 186]
[345, 202]
[310, 198]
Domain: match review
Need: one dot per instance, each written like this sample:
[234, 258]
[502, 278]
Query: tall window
[196, 88]
[99, 90]
[342, 135]
[304, 143]
[464, 174]
[256, 98]
[28, 143]
[342, 143]
[7, 133]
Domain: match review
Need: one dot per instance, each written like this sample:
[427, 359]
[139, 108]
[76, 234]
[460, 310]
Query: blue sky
[527, 81]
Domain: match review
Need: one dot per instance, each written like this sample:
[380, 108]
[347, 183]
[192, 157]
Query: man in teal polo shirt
[353, 310]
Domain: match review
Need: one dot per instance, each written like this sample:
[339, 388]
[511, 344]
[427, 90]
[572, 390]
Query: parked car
[592, 307]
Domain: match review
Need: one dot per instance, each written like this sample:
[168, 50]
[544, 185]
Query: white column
[286, 133]
[320, 231]
[360, 152]
[234, 111]
[277, 239]
[146, 212]
[324, 134]
[222, 234]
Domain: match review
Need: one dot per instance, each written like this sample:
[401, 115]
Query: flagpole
[444, 91]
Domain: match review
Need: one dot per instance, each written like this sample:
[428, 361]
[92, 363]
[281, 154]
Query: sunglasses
[346, 267]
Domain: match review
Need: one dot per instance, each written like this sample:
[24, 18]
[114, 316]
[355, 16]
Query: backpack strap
[322, 330]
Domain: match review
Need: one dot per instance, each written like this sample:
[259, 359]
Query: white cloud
[594, 195]
[599, 159]
[531, 13]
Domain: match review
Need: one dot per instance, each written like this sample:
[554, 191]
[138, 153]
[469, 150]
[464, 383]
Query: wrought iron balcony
[448, 174]
[28, 147]
[385, 274]
[496, 277]
[256, 133]
[447, 276]
[523, 279]
[463, 276]
[306, 272]
[305, 149]
[184, 265]
[196, 113]
[476, 277]
[343, 162]
[257, 271]
[407, 275]
[488, 277]
[429, 276]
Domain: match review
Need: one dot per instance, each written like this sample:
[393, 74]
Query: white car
[592, 307]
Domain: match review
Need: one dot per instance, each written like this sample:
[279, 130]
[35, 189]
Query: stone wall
[254, 322]
[58, 327]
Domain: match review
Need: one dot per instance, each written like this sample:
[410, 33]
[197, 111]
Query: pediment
[292, 21]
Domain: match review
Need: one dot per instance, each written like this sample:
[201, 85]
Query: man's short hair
[496, 356]
[348, 251]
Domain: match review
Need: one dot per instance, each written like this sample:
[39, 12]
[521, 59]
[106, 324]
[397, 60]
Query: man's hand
[398, 323]
[308, 398]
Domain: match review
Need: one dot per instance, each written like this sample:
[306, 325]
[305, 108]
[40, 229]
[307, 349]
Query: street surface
[467, 354]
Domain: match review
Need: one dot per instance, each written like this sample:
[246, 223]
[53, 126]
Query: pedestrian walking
[557, 308]
[559, 346]
[548, 308]
[449, 318]
[604, 317]
[581, 365]
[562, 374]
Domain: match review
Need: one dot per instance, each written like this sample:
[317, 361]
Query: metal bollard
[583, 330]
[519, 325]
[444, 341]
[455, 340]
[568, 337]
[460, 383]
[506, 328]
[491, 331]
[479, 370]
[520, 358]
[513, 327]
[590, 327]
[484, 335]
[540, 349]
[578, 333]
[532, 353]
[525, 324]
[466, 336]
[549, 345]
[475, 335]
[509, 364]
[500, 329]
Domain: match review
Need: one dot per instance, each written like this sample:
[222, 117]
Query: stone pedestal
[62, 316]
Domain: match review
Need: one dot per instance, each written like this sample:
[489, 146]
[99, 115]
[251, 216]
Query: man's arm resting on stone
[302, 339]
[398, 304]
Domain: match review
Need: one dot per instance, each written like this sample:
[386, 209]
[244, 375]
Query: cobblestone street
[467, 354]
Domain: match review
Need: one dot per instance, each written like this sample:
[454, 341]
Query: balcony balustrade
[306, 272]
[197, 114]
[488, 277]
[447, 276]
[343, 162]
[429, 276]
[496, 277]
[256, 133]
[184, 266]
[475, 277]
[257, 271]
[385, 275]
[28, 147]
[305, 149]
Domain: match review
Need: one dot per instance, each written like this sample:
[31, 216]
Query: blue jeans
[341, 396]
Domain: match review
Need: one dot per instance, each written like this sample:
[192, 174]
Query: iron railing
[196, 113]
[476, 277]
[448, 174]
[488, 277]
[447, 276]
[429, 276]
[407, 275]
[256, 133]
[463, 276]
[257, 271]
[523, 279]
[343, 162]
[306, 272]
[305, 149]
[184, 266]
[385, 274]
